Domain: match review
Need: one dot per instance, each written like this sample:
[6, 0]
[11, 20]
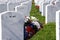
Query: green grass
[35, 12]
[48, 31]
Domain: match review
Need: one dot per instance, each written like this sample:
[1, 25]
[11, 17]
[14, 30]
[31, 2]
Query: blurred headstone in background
[3, 5]
[11, 6]
[50, 13]
[25, 8]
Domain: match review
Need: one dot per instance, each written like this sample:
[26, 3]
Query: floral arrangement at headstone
[31, 26]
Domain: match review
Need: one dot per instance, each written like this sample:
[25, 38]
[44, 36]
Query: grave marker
[28, 4]
[11, 6]
[25, 8]
[58, 25]
[43, 5]
[43, 8]
[21, 9]
[58, 4]
[12, 26]
[3, 5]
[50, 13]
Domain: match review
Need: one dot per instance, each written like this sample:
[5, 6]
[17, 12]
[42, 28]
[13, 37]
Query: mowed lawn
[48, 32]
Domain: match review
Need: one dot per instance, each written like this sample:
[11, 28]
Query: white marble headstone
[58, 4]
[43, 8]
[22, 9]
[50, 13]
[46, 2]
[58, 24]
[3, 7]
[25, 8]
[28, 4]
[41, 3]
[12, 26]
[11, 6]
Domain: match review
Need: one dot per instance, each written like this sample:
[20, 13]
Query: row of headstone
[11, 6]
[42, 4]
[25, 8]
[12, 19]
[6, 6]
[48, 9]
[51, 11]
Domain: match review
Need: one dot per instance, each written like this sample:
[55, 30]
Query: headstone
[58, 4]
[50, 13]
[12, 26]
[46, 2]
[28, 4]
[22, 9]
[43, 8]
[11, 6]
[41, 4]
[58, 24]
[3, 5]
[25, 8]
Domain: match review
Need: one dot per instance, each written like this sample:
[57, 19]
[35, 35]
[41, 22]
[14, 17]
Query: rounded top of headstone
[12, 17]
